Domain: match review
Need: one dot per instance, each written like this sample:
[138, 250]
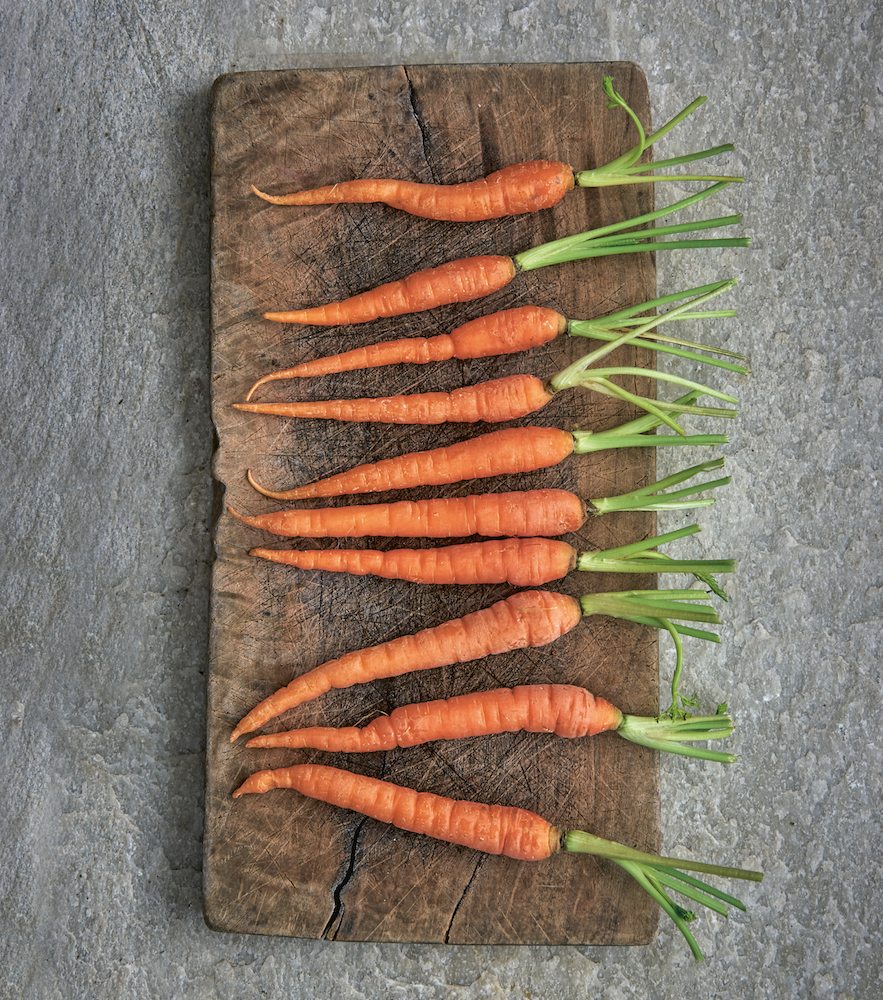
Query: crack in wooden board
[273, 863]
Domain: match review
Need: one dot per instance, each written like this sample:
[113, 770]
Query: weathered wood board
[281, 864]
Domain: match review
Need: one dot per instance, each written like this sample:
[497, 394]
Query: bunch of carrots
[520, 528]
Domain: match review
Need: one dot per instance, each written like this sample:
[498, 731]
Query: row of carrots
[522, 526]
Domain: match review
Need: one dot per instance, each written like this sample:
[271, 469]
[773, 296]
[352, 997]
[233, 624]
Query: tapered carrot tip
[260, 781]
[260, 741]
[251, 521]
[264, 195]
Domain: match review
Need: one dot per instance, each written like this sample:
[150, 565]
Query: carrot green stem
[611, 239]
[641, 557]
[654, 496]
[659, 609]
[599, 380]
[641, 326]
[676, 735]
[655, 874]
[635, 433]
[626, 169]
[651, 606]
[587, 843]
[612, 328]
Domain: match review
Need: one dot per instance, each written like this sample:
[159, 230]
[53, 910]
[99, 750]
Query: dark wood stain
[282, 864]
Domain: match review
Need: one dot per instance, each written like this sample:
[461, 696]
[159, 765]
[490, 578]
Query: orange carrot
[457, 281]
[493, 401]
[562, 709]
[511, 331]
[516, 189]
[517, 449]
[527, 619]
[522, 562]
[502, 399]
[524, 514]
[505, 332]
[506, 452]
[496, 400]
[498, 829]
[475, 277]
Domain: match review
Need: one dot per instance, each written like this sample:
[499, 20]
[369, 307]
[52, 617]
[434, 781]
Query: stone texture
[108, 503]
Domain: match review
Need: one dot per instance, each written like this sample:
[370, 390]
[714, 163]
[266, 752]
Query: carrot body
[523, 562]
[457, 281]
[506, 452]
[493, 401]
[562, 709]
[508, 331]
[529, 618]
[522, 514]
[514, 190]
[515, 833]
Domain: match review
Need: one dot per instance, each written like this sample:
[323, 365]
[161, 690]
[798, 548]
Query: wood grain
[281, 864]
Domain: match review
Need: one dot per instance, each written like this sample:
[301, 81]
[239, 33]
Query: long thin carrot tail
[656, 874]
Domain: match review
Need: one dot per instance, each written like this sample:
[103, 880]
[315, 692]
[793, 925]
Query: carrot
[514, 190]
[493, 401]
[526, 513]
[522, 562]
[505, 332]
[562, 709]
[506, 452]
[529, 618]
[511, 331]
[502, 830]
[502, 399]
[475, 277]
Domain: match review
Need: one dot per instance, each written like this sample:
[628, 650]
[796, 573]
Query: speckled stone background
[107, 498]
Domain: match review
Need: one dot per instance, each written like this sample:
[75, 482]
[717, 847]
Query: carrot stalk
[528, 619]
[522, 562]
[475, 277]
[655, 496]
[612, 239]
[516, 189]
[501, 830]
[563, 709]
[504, 452]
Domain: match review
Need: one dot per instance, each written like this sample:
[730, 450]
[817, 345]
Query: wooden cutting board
[282, 864]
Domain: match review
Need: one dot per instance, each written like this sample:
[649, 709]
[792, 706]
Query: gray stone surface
[107, 501]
